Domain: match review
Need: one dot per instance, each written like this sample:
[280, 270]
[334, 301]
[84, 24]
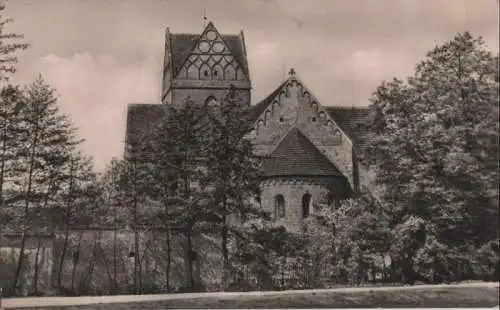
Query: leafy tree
[434, 141]
[355, 237]
[232, 175]
[176, 171]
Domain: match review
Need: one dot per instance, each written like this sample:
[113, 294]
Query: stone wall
[293, 189]
[295, 106]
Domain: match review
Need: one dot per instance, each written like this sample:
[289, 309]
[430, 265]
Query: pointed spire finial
[204, 18]
[291, 72]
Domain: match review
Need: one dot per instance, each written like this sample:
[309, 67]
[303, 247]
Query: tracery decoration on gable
[211, 59]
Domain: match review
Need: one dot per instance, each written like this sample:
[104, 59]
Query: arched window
[306, 205]
[276, 105]
[315, 107]
[267, 117]
[240, 75]
[230, 73]
[218, 72]
[258, 200]
[260, 125]
[279, 206]
[192, 72]
[205, 72]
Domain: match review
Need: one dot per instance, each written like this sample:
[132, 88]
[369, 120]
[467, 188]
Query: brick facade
[293, 190]
[204, 66]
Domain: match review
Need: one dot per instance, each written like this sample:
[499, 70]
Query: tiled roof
[297, 156]
[182, 44]
[143, 119]
[349, 119]
[142, 122]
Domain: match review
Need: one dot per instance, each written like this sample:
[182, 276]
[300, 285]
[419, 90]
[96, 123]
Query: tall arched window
[192, 72]
[205, 72]
[306, 205]
[315, 107]
[279, 206]
[267, 117]
[218, 72]
[230, 73]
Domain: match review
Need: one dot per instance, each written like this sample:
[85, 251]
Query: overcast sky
[101, 55]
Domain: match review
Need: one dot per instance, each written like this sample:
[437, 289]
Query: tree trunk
[2, 161]
[115, 257]
[407, 269]
[169, 254]
[62, 259]
[108, 269]
[37, 257]
[137, 260]
[75, 262]
[67, 228]
[225, 255]
[90, 269]
[25, 223]
[189, 257]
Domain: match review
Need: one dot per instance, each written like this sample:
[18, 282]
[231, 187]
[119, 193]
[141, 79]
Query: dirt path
[88, 300]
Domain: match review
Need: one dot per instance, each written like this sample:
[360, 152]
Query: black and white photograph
[249, 154]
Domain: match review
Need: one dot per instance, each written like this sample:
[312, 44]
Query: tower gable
[206, 65]
[214, 60]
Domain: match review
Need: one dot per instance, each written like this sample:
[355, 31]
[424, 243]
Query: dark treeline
[180, 211]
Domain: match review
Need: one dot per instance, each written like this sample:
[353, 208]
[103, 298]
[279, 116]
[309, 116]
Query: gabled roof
[182, 44]
[259, 108]
[144, 121]
[296, 155]
[349, 119]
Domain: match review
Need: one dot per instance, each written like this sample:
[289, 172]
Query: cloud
[374, 65]
[94, 91]
[342, 51]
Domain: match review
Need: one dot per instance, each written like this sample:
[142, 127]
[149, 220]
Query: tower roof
[295, 155]
[182, 44]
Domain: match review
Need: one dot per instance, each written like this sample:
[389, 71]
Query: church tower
[204, 66]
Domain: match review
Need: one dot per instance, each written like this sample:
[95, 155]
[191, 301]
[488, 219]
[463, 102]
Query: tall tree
[11, 103]
[74, 196]
[232, 170]
[8, 47]
[176, 170]
[46, 141]
[435, 145]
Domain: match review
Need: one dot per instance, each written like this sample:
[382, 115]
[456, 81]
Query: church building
[309, 147]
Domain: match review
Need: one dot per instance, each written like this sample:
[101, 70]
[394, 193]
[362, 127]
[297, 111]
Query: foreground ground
[459, 295]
